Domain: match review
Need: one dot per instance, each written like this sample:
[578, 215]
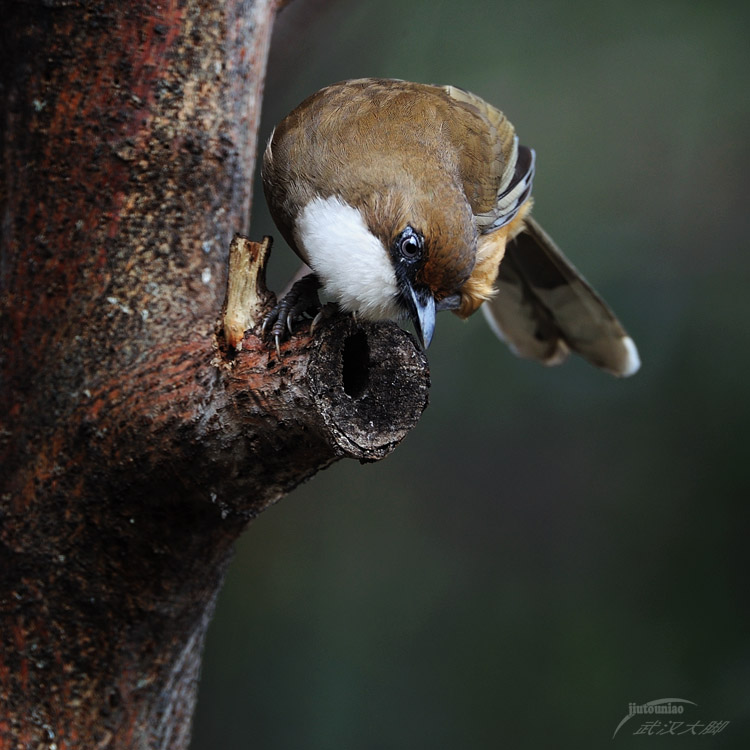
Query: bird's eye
[410, 245]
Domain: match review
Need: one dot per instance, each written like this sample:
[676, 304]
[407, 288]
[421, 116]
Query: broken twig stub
[247, 294]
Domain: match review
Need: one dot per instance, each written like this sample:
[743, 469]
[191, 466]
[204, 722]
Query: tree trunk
[135, 442]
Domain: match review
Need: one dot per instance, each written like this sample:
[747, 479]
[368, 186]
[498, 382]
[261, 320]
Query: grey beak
[422, 312]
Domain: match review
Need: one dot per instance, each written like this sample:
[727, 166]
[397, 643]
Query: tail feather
[544, 308]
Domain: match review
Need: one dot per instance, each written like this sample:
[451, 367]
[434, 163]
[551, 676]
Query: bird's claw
[325, 311]
[301, 299]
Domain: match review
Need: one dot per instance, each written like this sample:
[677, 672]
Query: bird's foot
[301, 299]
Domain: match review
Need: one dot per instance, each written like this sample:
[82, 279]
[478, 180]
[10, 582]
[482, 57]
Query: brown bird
[405, 199]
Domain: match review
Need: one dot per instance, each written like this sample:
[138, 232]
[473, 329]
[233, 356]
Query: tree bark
[136, 442]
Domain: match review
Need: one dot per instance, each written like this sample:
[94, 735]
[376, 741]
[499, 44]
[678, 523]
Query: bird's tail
[544, 308]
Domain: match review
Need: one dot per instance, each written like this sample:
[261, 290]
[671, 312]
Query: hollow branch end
[370, 384]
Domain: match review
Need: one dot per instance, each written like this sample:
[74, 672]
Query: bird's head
[394, 254]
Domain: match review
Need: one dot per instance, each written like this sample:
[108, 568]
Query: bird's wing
[544, 308]
[497, 173]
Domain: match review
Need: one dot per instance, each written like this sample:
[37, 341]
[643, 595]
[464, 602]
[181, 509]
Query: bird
[406, 199]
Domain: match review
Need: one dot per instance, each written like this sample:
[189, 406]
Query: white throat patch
[352, 263]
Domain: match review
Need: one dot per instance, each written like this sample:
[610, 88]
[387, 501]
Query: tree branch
[137, 437]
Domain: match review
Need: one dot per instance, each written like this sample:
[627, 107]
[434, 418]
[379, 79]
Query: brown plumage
[442, 162]
[461, 160]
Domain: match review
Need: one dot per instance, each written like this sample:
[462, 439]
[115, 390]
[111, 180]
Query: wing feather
[488, 149]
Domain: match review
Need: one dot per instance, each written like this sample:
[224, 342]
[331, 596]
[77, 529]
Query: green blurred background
[547, 545]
